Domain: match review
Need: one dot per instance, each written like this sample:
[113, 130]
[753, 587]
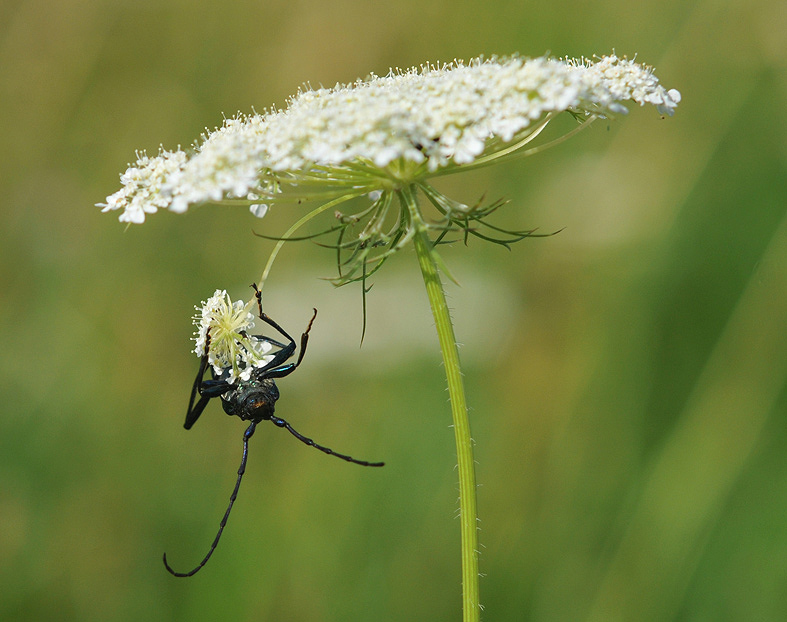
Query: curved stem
[464, 443]
[302, 221]
[515, 151]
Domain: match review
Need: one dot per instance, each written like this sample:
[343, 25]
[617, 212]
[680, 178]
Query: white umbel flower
[382, 132]
[231, 344]
[144, 183]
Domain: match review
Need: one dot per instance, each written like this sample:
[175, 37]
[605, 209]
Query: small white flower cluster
[231, 344]
[612, 80]
[432, 117]
[146, 186]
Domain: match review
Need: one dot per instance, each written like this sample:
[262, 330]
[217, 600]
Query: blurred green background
[626, 377]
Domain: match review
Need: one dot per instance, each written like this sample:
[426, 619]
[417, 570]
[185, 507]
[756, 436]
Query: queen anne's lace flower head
[383, 131]
[231, 344]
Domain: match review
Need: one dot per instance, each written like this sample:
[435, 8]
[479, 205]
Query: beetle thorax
[252, 400]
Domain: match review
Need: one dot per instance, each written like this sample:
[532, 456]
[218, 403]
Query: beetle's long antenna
[283, 424]
[241, 470]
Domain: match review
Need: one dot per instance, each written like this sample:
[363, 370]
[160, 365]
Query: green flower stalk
[371, 149]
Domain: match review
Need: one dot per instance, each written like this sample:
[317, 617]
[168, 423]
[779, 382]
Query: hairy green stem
[428, 261]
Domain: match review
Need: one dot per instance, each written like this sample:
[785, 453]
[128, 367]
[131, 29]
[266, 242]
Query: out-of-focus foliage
[627, 376]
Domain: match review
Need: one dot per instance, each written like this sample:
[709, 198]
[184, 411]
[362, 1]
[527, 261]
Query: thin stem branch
[516, 153]
[288, 234]
[464, 443]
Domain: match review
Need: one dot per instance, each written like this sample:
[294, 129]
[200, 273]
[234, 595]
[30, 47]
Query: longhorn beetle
[252, 400]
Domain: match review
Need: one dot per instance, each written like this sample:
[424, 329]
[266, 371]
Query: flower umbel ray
[384, 133]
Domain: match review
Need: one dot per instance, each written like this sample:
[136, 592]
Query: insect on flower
[244, 380]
